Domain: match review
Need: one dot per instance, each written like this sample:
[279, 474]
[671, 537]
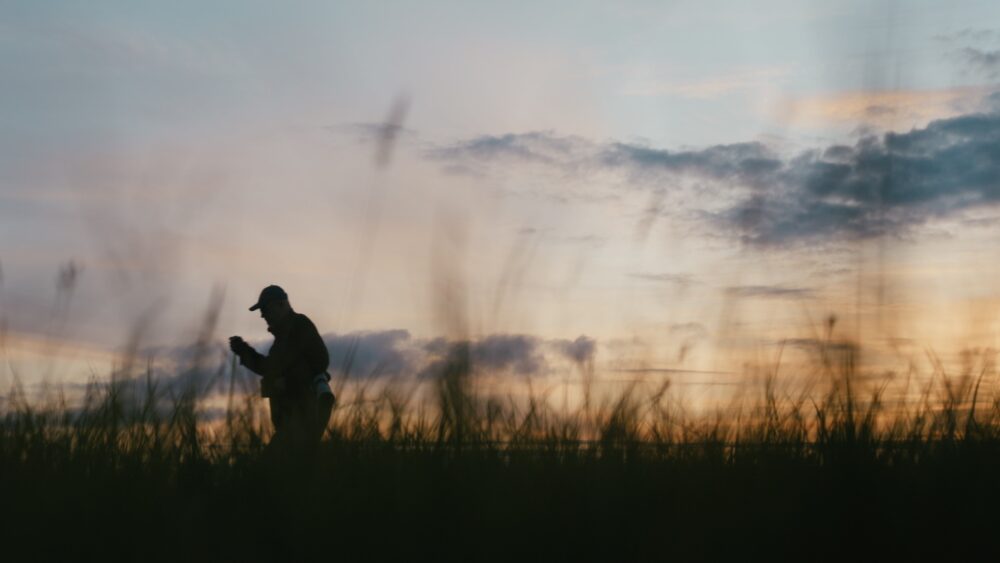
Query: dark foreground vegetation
[470, 478]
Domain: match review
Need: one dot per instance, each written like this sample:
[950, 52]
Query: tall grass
[138, 469]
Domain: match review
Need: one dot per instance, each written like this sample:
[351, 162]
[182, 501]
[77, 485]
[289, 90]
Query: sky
[681, 186]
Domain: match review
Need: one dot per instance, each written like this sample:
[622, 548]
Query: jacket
[297, 355]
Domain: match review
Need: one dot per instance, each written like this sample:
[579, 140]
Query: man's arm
[273, 365]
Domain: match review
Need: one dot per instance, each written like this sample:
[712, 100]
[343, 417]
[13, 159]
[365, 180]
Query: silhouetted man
[294, 372]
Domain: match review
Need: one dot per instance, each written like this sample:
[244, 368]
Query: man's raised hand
[238, 345]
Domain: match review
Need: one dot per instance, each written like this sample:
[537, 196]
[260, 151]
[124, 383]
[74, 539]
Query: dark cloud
[515, 354]
[770, 291]
[746, 163]
[161, 376]
[373, 354]
[201, 371]
[395, 353]
[882, 185]
[750, 162]
[580, 351]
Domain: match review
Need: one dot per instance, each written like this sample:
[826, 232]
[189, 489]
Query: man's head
[273, 305]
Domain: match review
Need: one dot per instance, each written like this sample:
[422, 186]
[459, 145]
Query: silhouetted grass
[137, 470]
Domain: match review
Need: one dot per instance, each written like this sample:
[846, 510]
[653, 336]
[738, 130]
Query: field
[140, 470]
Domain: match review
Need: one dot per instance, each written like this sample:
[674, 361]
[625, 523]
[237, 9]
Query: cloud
[577, 158]
[982, 61]
[515, 354]
[571, 154]
[537, 147]
[747, 163]
[502, 352]
[202, 370]
[976, 48]
[881, 185]
[395, 353]
[581, 351]
[770, 292]
[386, 353]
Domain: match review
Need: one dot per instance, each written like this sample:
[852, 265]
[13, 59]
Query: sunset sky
[685, 185]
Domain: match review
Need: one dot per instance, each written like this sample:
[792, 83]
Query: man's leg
[279, 443]
[276, 412]
[322, 404]
[323, 409]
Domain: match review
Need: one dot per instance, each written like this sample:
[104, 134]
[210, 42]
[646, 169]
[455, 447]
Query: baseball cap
[269, 294]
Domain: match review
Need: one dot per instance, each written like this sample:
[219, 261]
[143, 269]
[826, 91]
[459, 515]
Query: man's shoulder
[303, 324]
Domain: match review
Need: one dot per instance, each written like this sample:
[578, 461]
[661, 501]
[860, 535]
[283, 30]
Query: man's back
[298, 353]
